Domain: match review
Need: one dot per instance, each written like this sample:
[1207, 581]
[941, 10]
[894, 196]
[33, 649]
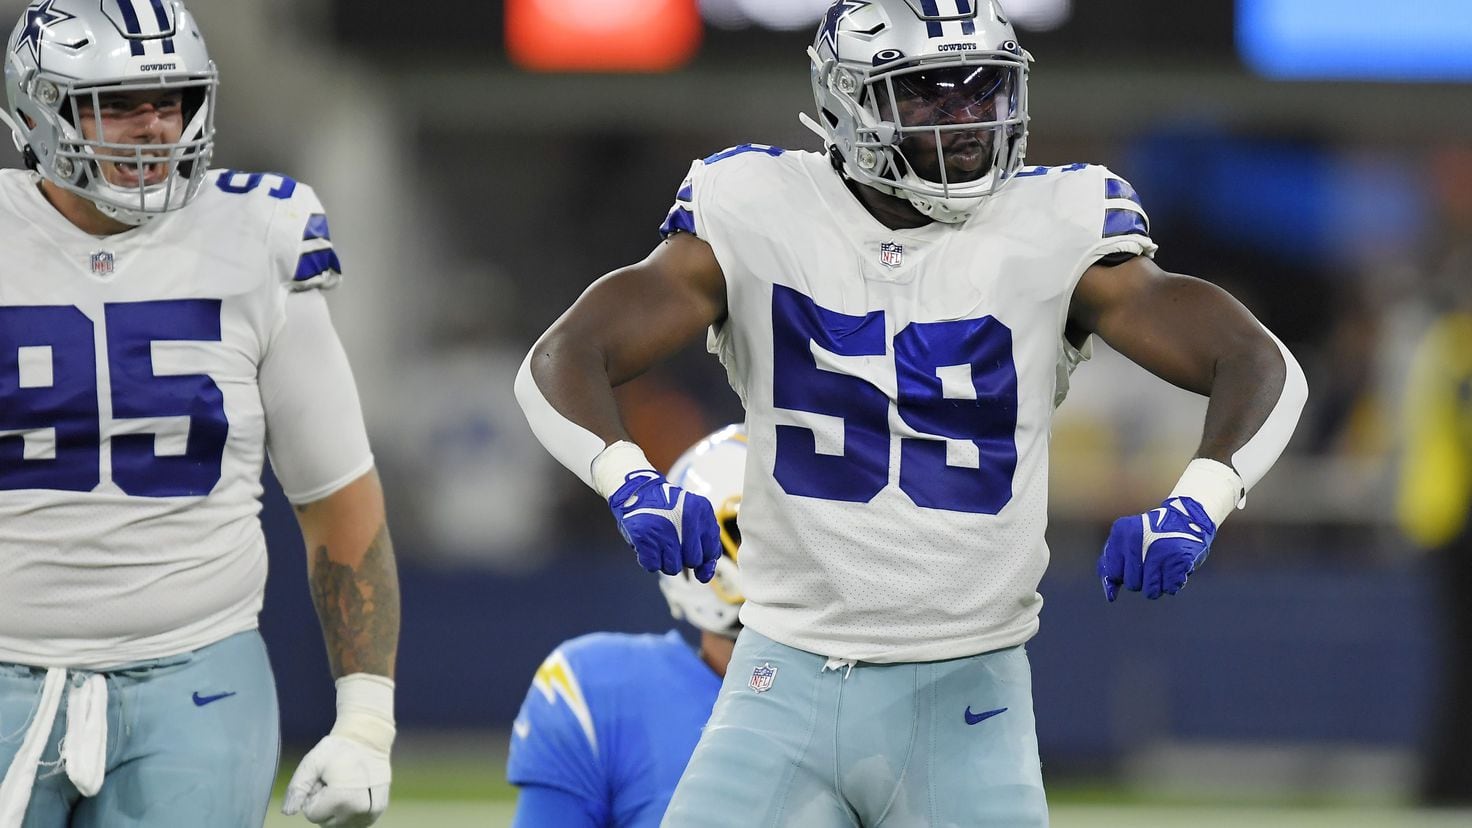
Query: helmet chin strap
[132, 218]
[15, 133]
[802, 118]
[946, 210]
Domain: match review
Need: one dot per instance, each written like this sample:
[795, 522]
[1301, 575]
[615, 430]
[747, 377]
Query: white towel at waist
[83, 751]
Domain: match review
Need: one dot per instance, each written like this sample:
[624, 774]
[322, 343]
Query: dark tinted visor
[956, 95]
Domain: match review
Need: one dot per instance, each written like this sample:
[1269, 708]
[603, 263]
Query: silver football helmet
[925, 100]
[66, 56]
[713, 468]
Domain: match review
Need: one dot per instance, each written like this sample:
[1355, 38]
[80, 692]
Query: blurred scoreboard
[1282, 39]
[753, 33]
[1358, 40]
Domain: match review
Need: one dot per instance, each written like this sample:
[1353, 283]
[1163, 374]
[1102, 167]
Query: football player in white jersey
[162, 327]
[900, 315]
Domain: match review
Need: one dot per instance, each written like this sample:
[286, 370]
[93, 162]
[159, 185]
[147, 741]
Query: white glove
[343, 782]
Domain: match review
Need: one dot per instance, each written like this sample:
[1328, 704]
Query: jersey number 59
[956, 388]
[49, 384]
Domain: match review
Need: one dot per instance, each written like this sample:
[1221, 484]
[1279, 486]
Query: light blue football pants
[928, 744]
[192, 742]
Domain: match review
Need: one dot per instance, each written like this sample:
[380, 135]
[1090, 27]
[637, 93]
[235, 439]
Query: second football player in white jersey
[162, 327]
[900, 315]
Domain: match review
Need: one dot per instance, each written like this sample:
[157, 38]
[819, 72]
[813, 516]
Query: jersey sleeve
[553, 741]
[684, 216]
[1126, 225]
[314, 424]
[301, 243]
[689, 214]
[538, 806]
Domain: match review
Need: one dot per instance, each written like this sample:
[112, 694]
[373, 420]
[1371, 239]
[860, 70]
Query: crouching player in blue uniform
[591, 748]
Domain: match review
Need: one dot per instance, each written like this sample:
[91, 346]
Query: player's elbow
[528, 395]
[1269, 362]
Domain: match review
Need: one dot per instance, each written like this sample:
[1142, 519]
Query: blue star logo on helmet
[828, 32]
[39, 17]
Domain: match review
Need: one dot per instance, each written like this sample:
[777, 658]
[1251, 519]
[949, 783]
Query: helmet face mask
[714, 468]
[930, 109]
[69, 64]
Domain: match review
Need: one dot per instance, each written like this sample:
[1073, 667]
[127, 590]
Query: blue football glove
[1156, 551]
[669, 528]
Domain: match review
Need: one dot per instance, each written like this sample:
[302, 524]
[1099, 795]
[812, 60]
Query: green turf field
[414, 813]
[460, 785]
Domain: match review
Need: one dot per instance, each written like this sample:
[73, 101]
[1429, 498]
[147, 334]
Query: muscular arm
[1191, 334]
[353, 577]
[622, 325]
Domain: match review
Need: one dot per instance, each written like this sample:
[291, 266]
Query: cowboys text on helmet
[71, 62]
[925, 100]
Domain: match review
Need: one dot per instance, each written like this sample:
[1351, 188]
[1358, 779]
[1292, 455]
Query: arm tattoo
[359, 608]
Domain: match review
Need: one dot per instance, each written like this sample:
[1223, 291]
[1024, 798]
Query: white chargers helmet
[713, 468]
[925, 100]
[66, 53]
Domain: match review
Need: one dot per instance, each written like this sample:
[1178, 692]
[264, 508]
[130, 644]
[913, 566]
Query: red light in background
[602, 35]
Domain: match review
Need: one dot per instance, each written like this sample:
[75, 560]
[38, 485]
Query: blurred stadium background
[481, 167]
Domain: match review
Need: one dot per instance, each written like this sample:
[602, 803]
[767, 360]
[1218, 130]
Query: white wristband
[365, 710]
[1214, 485]
[614, 464]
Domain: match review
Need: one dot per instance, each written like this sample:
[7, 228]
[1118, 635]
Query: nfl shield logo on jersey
[762, 678]
[891, 254]
[102, 263]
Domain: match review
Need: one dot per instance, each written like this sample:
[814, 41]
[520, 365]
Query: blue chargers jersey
[612, 719]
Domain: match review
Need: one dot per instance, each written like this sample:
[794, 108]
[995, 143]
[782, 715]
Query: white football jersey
[132, 423]
[899, 389]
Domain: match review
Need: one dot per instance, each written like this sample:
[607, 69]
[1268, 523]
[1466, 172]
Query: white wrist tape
[365, 710]
[1214, 485]
[614, 464]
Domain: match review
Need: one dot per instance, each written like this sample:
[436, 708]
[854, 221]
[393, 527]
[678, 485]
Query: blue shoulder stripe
[1119, 188]
[745, 148]
[316, 263]
[1120, 222]
[317, 228]
[680, 220]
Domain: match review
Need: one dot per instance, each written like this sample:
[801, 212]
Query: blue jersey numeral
[799, 385]
[61, 339]
[138, 392]
[956, 381]
[979, 407]
[63, 395]
[230, 182]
